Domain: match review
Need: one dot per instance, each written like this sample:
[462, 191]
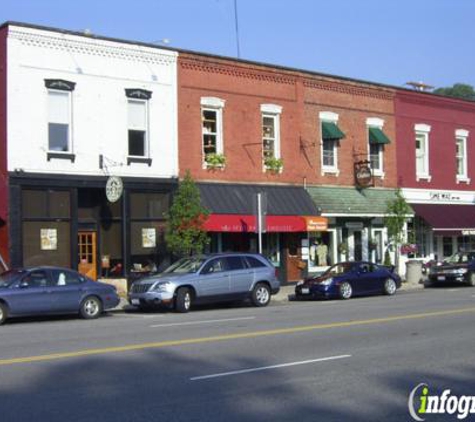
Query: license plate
[305, 291]
[441, 277]
[135, 301]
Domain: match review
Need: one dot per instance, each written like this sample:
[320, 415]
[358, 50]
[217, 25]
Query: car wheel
[390, 287]
[471, 279]
[3, 313]
[346, 290]
[183, 300]
[261, 295]
[91, 308]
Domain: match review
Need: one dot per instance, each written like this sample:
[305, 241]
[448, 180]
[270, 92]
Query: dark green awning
[330, 130]
[377, 136]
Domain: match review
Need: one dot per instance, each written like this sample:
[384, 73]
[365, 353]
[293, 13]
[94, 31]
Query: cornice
[434, 100]
[345, 88]
[94, 47]
[235, 71]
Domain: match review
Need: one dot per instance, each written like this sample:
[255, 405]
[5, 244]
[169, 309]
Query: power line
[237, 29]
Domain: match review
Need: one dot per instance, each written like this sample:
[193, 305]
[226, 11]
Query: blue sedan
[53, 290]
[348, 279]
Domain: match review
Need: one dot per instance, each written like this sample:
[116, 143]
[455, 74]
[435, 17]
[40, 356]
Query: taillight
[276, 273]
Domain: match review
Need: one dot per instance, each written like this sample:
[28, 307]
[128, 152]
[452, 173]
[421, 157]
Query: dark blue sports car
[348, 279]
[53, 290]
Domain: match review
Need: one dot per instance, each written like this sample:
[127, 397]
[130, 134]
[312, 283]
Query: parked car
[347, 279]
[208, 278]
[459, 268]
[53, 290]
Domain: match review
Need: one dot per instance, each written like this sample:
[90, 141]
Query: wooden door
[293, 257]
[87, 264]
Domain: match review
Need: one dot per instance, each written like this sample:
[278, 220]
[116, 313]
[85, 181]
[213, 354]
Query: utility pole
[237, 29]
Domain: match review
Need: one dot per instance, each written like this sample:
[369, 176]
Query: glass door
[87, 263]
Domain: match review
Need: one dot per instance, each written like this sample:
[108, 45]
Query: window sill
[207, 166]
[61, 156]
[426, 177]
[379, 173]
[266, 169]
[330, 171]
[140, 160]
[461, 179]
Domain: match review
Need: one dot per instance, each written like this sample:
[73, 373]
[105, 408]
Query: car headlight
[164, 286]
[327, 282]
[300, 283]
[461, 271]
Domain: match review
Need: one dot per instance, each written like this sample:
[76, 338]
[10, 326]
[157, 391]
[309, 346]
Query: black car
[459, 268]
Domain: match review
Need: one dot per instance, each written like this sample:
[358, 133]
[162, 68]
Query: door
[355, 245]
[214, 279]
[293, 257]
[66, 290]
[31, 295]
[87, 254]
[241, 276]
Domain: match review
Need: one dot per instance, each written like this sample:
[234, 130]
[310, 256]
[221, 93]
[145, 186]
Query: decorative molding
[271, 108]
[422, 127]
[328, 116]
[140, 160]
[344, 88]
[60, 156]
[141, 94]
[60, 84]
[235, 71]
[91, 46]
[375, 122]
[433, 100]
[462, 133]
[212, 102]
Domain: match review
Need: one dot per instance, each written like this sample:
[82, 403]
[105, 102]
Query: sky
[384, 41]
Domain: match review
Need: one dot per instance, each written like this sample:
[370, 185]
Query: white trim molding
[375, 122]
[213, 102]
[271, 108]
[328, 116]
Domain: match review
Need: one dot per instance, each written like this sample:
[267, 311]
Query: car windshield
[461, 257]
[9, 277]
[186, 265]
[338, 269]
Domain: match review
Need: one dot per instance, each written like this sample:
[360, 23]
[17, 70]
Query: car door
[360, 279]
[213, 279]
[376, 278]
[241, 275]
[31, 294]
[66, 290]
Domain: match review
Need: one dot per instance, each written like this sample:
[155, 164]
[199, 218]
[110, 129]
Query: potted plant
[215, 160]
[343, 248]
[273, 164]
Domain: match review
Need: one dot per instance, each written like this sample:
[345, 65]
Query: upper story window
[376, 141]
[270, 118]
[59, 115]
[212, 126]
[331, 135]
[461, 136]
[422, 151]
[138, 124]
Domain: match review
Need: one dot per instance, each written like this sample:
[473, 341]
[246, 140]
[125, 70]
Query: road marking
[209, 321]
[225, 337]
[264, 368]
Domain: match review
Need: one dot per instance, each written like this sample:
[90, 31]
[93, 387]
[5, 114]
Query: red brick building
[436, 156]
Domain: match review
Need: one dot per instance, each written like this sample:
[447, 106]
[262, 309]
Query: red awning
[448, 219]
[247, 223]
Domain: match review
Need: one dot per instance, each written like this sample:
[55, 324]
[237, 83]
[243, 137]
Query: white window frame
[330, 117]
[146, 129]
[215, 105]
[379, 124]
[423, 130]
[70, 120]
[461, 136]
[272, 111]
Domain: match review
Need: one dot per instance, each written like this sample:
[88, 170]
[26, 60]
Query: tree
[458, 90]
[185, 234]
[396, 214]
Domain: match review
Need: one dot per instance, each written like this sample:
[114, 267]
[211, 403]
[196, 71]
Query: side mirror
[24, 285]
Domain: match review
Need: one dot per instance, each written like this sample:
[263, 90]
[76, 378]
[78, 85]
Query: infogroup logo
[420, 404]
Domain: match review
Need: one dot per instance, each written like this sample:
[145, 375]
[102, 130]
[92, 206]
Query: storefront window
[448, 248]
[149, 205]
[466, 243]
[320, 250]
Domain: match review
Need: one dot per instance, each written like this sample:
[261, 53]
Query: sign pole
[259, 222]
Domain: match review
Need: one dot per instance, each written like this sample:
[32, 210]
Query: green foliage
[387, 258]
[214, 160]
[185, 234]
[396, 214]
[273, 164]
[458, 90]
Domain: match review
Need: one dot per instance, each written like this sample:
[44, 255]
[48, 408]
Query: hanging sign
[114, 188]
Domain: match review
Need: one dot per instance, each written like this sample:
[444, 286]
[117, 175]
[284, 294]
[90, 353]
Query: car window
[9, 277]
[186, 265]
[235, 263]
[66, 278]
[215, 266]
[37, 278]
[254, 262]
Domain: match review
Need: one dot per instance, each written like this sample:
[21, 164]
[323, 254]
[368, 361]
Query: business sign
[114, 188]
[363, 174]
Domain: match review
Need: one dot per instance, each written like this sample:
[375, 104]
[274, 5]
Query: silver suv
[208, 278]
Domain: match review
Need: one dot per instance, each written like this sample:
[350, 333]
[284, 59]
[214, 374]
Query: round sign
[114, 188]
[363, 176]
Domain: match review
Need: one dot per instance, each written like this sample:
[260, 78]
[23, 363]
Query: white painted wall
[102, 70]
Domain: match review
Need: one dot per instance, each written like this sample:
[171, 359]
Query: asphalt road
[306, 361]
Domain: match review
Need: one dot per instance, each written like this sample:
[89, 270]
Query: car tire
[345, 290]
[3, 313]
[261, 295]
[91, 308]
[183, 300]
[390, 287]
[471, 279]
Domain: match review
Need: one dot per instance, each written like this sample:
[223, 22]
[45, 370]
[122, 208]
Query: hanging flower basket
[408, 248]
[343, 248]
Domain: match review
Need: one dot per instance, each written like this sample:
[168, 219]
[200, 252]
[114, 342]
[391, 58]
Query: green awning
[377, 136]
[330, 130]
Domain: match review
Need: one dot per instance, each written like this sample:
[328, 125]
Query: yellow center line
[253, 334]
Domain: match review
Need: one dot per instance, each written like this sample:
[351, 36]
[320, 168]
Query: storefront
[69, 222]
[289, 213]
[356, 228]
[444, 222]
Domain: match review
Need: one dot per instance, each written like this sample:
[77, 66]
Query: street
[352, 360]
